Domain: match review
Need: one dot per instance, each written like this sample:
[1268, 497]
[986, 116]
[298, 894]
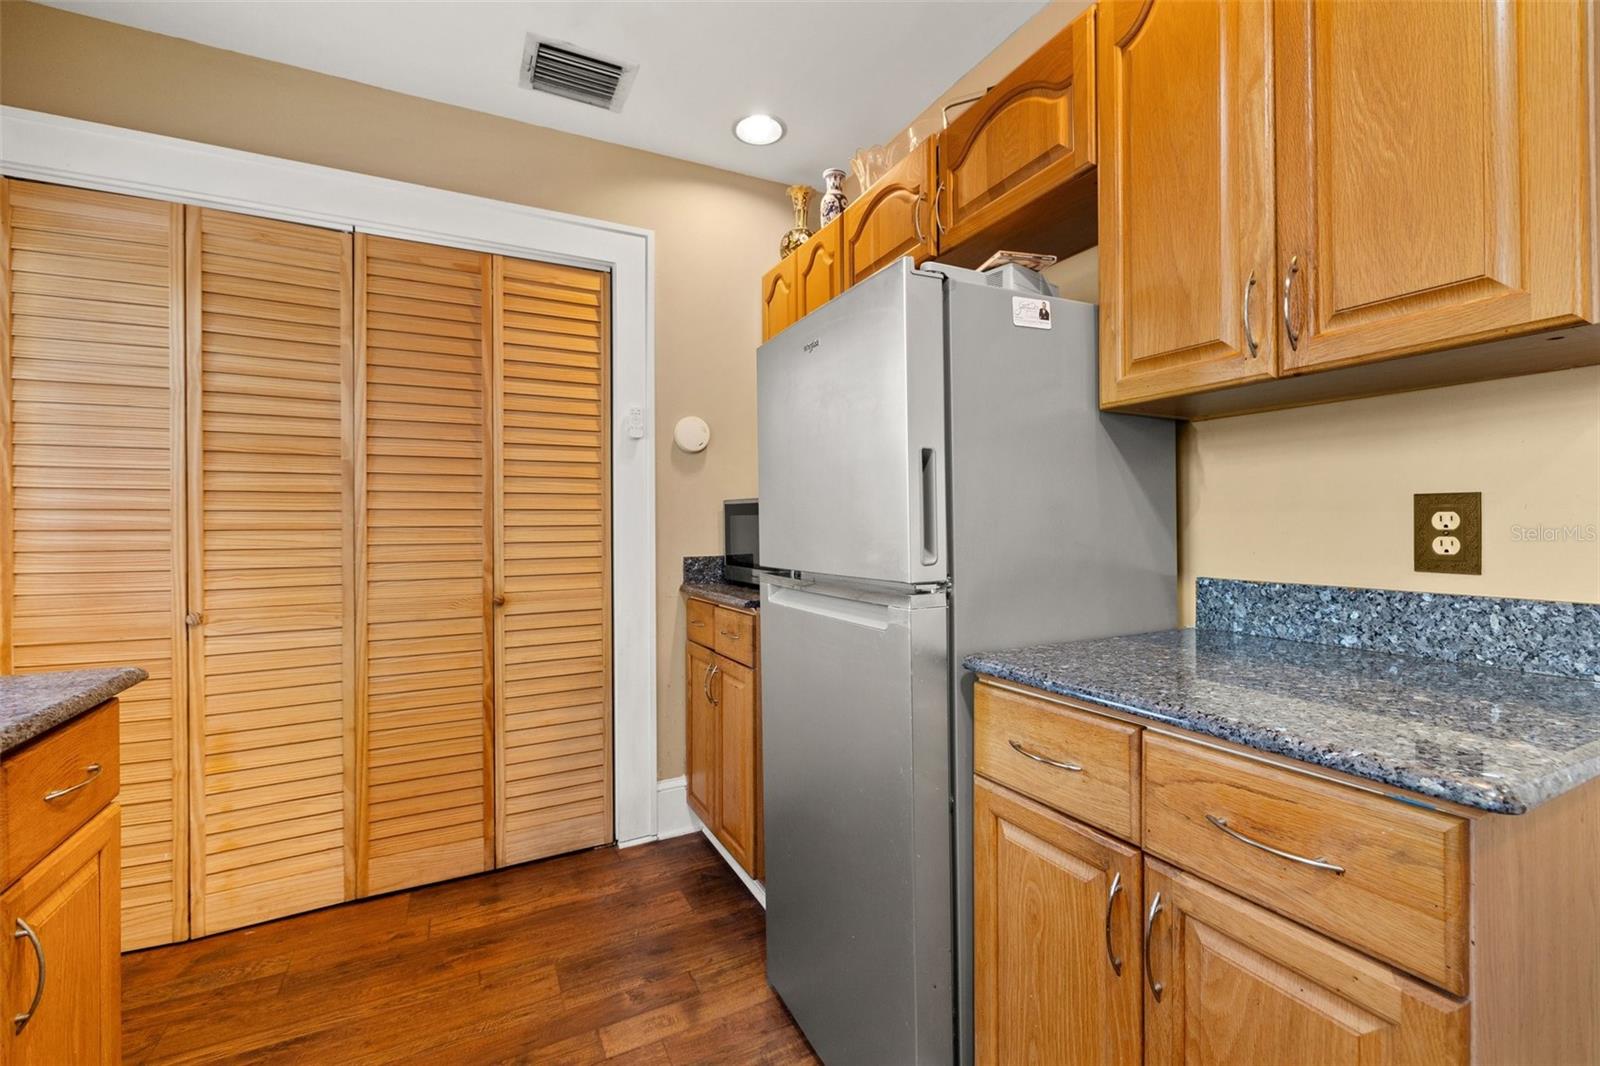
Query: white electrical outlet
[1445, 521]
[1445, 545]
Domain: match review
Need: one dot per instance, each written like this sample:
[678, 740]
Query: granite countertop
[33, 704]
[741, 596]
[703, 577]
[1494, 739]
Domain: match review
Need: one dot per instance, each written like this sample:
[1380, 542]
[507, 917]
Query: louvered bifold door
[422, 478]
[91, 545]
[552, 516]
[271, 568]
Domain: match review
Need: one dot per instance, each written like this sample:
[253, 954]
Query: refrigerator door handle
[930, 507]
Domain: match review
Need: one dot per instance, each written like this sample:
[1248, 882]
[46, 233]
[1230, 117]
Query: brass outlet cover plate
[1448, 532]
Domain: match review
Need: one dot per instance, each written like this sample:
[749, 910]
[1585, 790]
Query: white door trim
[90, 155]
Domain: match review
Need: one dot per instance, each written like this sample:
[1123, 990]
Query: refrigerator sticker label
[1034, 314]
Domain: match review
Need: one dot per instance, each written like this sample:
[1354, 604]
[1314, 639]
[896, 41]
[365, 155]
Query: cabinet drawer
[1081, 764]
[1386, 878]
[60, 765]
[702, 622]
[736, 635]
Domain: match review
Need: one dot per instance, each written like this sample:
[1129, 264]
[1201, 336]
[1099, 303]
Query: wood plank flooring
[652, 955]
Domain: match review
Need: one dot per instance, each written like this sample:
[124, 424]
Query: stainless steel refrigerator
[936, 479]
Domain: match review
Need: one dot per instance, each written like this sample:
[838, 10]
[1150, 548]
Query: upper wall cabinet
[893, 218]
[778, 297]
[1186, 254]
[1315, 186]
[819, 270]
[1432, 174]
[1016, 169]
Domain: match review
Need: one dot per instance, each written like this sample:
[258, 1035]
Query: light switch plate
[1447, 536]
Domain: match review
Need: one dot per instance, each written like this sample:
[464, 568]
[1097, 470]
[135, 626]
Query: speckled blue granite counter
[1488, 738]
[33, 704]
[702, 577]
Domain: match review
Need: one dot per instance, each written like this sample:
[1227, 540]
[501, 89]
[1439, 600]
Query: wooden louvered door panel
[552, 517]
[426, 721]
[270, 567]
[91, 544]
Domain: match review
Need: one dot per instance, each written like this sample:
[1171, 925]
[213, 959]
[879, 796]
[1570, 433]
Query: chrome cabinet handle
[938, 224]
[1249, 333]
[1288, 316]
[711, 673]
[1156, 987]
[1318, 863]
[1017, 747]
[90, 772]
[25, 930]
[916, 218]
[1111, 897]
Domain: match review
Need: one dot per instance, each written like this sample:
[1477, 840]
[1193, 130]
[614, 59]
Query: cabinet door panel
[552, 501]
[738, 750]
[818, 269]
[271, 568]
[701, 770]
[1046, 930]
[778, 298]
[69, 902]
[1005, 163]
[91, 494]
[1240, 984]
[1186, 213]
[893, 218]
[425, 700]
[1431, 180]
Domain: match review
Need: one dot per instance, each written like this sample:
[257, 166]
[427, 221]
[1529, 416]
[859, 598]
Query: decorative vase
[832, 199]
[800, 197]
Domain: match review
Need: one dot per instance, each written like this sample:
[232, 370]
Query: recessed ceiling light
[758, 129]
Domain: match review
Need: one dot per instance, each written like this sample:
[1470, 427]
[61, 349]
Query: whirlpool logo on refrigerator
[811, 346]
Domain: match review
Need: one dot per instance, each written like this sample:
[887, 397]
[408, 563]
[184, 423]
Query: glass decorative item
[833, 197]
[800, 197]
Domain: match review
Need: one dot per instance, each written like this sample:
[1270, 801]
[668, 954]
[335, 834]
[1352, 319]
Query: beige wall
[1322, 495]
[716, 232]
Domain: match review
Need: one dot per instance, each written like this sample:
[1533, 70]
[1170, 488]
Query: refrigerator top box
[938, 479]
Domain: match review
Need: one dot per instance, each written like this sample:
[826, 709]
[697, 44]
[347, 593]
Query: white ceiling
[840, 75]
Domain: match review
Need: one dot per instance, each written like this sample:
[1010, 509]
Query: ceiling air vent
[558, 68]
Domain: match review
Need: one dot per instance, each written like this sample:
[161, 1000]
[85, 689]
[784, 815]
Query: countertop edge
[727, 595]
[50, 716]
[1274, 742]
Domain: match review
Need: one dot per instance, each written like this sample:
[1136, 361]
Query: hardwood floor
[653, 955]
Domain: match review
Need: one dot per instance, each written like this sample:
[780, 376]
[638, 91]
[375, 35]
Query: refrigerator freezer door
[852, 435]
[855, 731]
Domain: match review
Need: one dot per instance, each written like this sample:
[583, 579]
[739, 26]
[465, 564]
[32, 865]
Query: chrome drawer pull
[1288, 315]
[1156, 987]
[1111, 897]
[1017, 747]
[26, 930]
[91, 772]
[1320, 864]
[1249, 333]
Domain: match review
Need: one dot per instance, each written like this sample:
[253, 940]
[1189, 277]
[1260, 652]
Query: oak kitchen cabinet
[61, 978]
[779, 301]
[723, 711]
[819, 269]
[1017, 168]
[1308, 186]
[346, 500]
[1260, 910]
[893, 218]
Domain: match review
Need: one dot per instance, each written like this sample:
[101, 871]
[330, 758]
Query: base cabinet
[1230, 982]
[1055, 937]
[722, 710]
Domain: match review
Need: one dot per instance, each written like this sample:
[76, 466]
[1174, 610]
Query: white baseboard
[673, 816]
[675, 819]
[757, 889]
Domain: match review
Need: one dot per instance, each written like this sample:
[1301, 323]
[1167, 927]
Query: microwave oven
[740, 541]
